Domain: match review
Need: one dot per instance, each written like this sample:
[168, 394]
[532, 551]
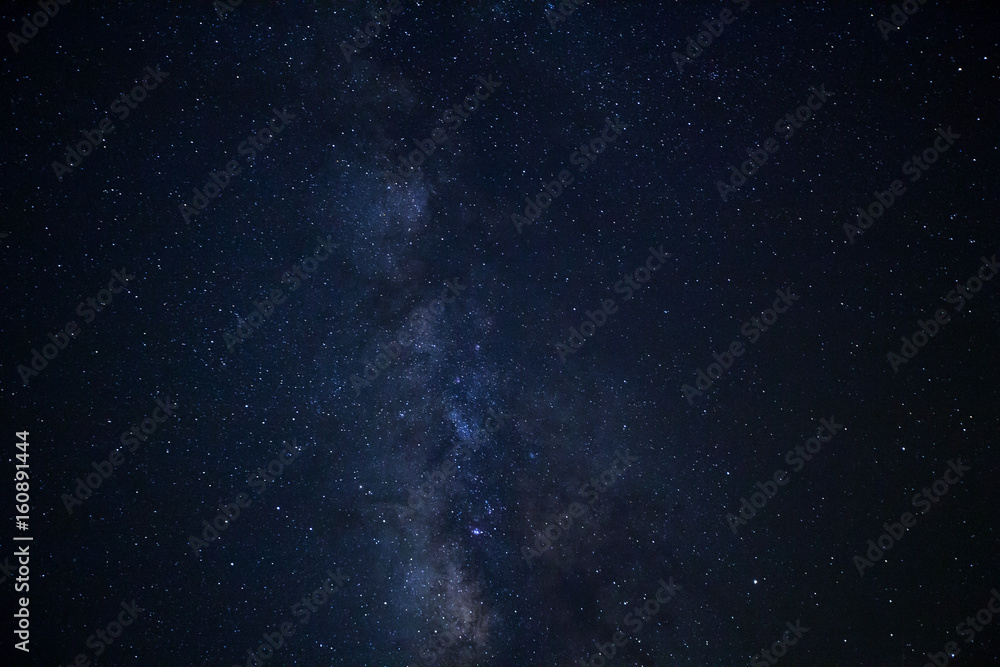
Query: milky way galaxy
[607, 333]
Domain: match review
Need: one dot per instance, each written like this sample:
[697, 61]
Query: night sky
[505, 335]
